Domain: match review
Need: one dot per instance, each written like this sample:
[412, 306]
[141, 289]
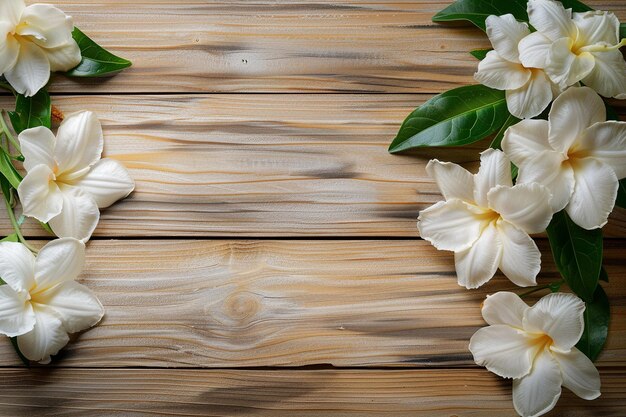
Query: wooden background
[268, 263]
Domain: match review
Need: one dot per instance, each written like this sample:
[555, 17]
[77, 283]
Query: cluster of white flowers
[573, 161]
[566, 49]
[66, 184]
[34, 40]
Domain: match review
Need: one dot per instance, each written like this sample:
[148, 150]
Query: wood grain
[246, 303]
[266, 165]
[280, 46]
[313, 393]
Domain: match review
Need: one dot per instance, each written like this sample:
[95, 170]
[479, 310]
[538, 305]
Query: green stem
[7, 86]
[542, 287]
[16, 227]
[7, 132]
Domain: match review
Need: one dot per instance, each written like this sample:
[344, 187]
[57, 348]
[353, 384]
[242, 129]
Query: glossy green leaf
[455, 118]
[97, 61]
[8, 171]
[32, 111]
[577, 253]
[10, 238]
[477, 11]
[480, 54]
[621, 194]
[597, 316]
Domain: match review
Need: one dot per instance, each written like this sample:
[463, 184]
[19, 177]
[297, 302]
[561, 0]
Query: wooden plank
[266, 165]
[286, 46]
[236, 303]
[330, 393]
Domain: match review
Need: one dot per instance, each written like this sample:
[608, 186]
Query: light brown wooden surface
[281, 46]
[292, 303]
[266, 165]
[310, 393]
[270, 120]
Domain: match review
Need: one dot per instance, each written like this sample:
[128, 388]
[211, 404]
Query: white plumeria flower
[34, 40]
[529, 91]
[575, 47]
[66, 181]
[42, 302]
[535, 347]
[486, 221]
[577, 154]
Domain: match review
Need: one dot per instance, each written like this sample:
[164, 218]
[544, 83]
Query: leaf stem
[7, 132]
[16, 227]
[551, 287]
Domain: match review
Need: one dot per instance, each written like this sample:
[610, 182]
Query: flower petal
[453, 180]
[579, 374]
[9, 47]
[79, 142]
[39, 194]
[11, 10]
[495, 169]
[525, 140]
[496, 72]
[597, 27]
[558, 315]
[16, 314]
[521, 259]
[551, 19]
[109, 181]
[478, 264]
[608, 76]
[450, 225]
[534, 50]
[59, 261]
[46, 25]
[505, 33]
[64, 58]
[594, 195]
[37, 147]
[550, 169]
[503, 350]
[504, 308]
[77, 307]
[607, 143]
[46, 339]
[31, 71]
[566, 68]
[526, 206]
[533, 98]
[79, 217]
[572, 112]
[17, 266]
[538, 392]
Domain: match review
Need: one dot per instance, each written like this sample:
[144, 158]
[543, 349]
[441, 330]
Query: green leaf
[457, 117]
[597, 316]
[19, 353]
[497, 141]
[8, 171]
[621, 194]
[577, 253]
[32, 111]
[97, 61]
[477, 11]
[622, 30]
[603, 275]
[480, 54]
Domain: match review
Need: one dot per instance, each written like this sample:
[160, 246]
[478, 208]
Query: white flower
[535, 347]
[34, 40]
[486, 221]
[529, 91]
[66, 181]
[576, 47]
[42, 302]
[577, 154]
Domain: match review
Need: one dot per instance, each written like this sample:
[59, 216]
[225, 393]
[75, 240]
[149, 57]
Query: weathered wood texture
[313, 393]
[266, 165]
[281, 46]
[290, 303]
